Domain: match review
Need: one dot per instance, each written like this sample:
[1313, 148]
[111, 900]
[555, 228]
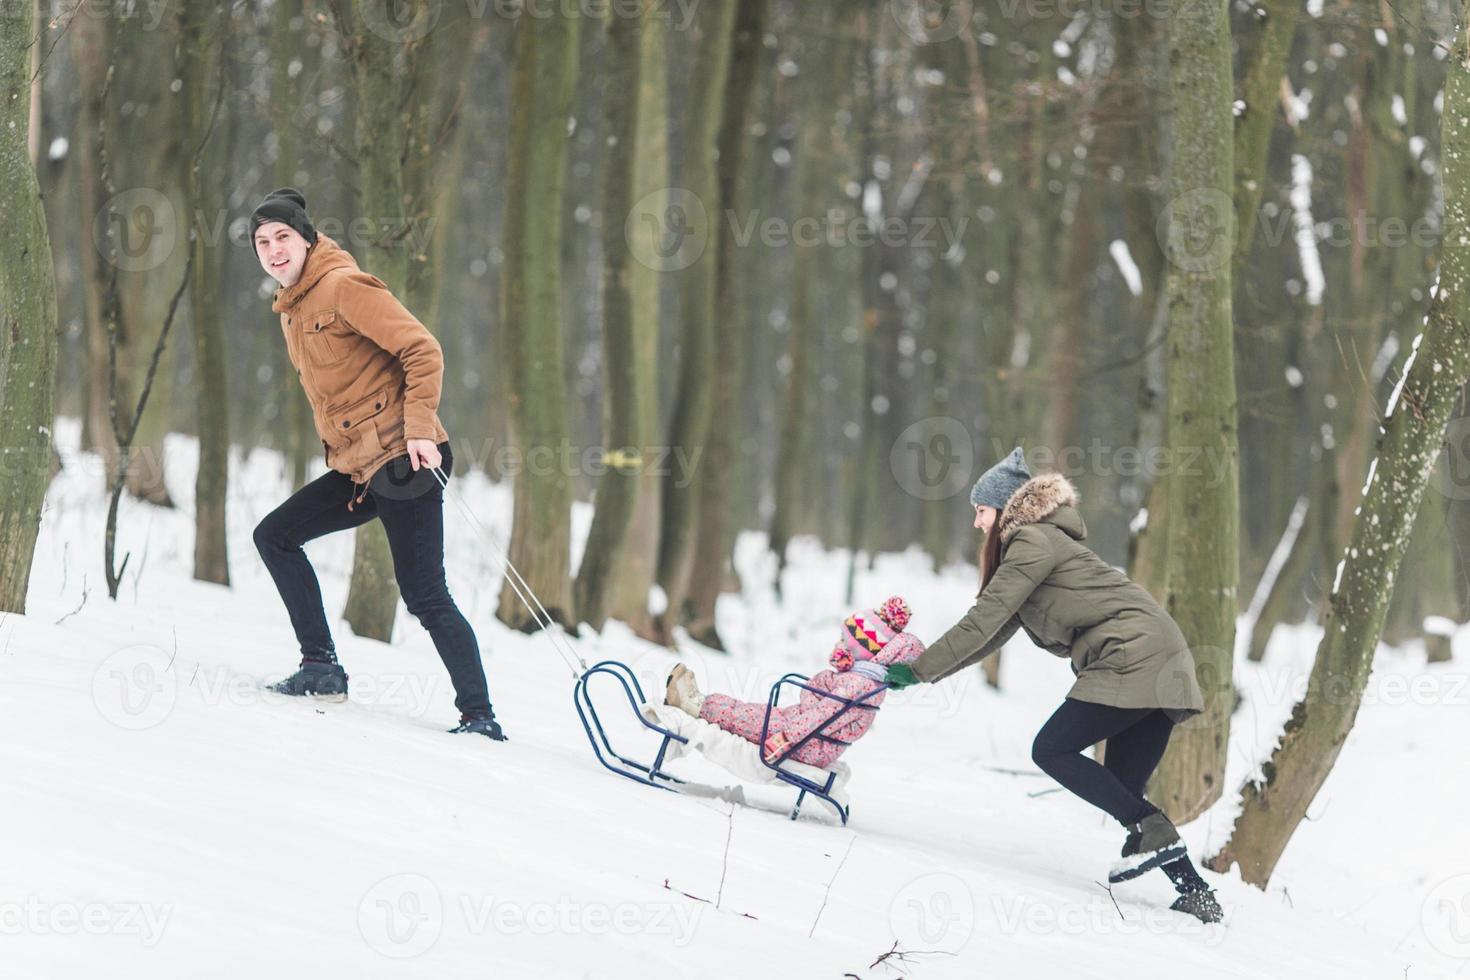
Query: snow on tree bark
[1273, 805]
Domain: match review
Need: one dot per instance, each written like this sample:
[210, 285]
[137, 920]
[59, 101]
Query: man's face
[281, 250]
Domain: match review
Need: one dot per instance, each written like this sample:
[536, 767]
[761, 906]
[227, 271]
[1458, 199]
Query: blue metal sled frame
[653, 775]
[804, 785]
[602, 747]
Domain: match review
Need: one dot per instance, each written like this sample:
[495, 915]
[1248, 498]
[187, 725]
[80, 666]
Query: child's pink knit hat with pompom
[868, 635]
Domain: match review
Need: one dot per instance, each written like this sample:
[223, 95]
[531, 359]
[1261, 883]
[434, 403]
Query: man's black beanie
[288, 206]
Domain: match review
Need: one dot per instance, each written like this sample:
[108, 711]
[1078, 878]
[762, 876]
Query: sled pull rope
[517, 583]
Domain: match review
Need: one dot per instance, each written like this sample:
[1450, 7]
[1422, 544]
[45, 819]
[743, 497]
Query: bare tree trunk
[198, 76]
[1437, 367]
[627, 593]
[541, 91]
[288, 60]
[396, 154]
[88, 43]
[1203, 496]
[716, 478]
[824, 66]
[693, 397]
[33, 138]
[626, 388]
[1260, 87]
[28, 297]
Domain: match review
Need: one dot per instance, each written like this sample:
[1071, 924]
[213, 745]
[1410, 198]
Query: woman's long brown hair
[990, 553]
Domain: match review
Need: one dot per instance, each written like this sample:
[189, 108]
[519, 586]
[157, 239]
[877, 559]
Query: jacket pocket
[320, 340]
[347, 421]
[390, 432]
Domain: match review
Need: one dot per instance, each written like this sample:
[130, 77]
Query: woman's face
[985, 517]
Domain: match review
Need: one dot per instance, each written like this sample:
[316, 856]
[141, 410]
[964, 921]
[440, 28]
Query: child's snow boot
[682, 691]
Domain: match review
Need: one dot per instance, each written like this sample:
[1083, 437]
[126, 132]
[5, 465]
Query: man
[372, 373]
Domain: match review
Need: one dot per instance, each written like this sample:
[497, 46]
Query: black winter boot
[1200, 903]
[1151, 842]
[480, 725]
[318, 678]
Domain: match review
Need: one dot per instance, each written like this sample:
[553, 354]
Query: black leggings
[1136, 740]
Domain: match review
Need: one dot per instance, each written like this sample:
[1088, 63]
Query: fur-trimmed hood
[1049, 495]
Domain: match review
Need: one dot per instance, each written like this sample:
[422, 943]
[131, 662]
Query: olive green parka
[1125, 649]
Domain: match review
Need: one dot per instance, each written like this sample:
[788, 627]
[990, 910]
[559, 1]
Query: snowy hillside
[164, 816]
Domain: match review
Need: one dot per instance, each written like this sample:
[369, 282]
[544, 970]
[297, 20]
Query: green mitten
[901, 676]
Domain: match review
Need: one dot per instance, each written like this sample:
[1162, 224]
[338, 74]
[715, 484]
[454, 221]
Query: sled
[824, 784]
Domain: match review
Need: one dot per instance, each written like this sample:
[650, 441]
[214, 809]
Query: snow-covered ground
[164, 816]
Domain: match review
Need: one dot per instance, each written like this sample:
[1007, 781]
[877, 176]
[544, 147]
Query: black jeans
[1136, 740]
[415, 528]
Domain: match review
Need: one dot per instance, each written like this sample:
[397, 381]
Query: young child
[871, 641]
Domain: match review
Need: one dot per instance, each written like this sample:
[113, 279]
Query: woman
[1135, 674]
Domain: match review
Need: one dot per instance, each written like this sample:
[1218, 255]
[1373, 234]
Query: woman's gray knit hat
[996, 484]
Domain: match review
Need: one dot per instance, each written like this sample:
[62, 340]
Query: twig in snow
[1014, 772]
[1043, 792]
[725, 861]
[1109, 890]
[906, 955]
[138, 574]
[79, 605]
[668, 887]
[893, 951]
[828, 893]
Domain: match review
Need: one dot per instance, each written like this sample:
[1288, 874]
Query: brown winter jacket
[371, 370]
[1125, 649]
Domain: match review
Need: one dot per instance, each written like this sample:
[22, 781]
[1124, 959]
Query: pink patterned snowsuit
[866, 636]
